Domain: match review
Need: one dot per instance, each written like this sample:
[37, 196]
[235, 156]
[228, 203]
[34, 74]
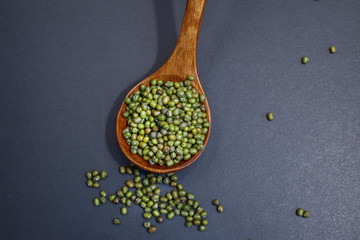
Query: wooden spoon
[181, 63]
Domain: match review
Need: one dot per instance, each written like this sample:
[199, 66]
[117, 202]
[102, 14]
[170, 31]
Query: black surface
[65, 67]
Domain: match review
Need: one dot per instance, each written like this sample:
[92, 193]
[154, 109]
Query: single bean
[152, 229]
[103, 174]
[116, 221]
[305, 60]
[102, 200]
[94, 173]
[122, 169]
[89, 183]
[270, 116]
[96, 178]
[96, 202]
[112, 197]
[124, 211]
[202, 228]
[216, 202]
[147, 224]
[160, 219]
[220, 208]
[306, 214]
[88, 175]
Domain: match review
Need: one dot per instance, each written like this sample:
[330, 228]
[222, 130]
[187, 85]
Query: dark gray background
[65, 67]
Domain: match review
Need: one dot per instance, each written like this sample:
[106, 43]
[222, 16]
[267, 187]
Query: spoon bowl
[181, 63]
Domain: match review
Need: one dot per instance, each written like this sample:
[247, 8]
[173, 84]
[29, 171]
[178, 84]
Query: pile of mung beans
[143, 190]
[93, 178]
[166, 121]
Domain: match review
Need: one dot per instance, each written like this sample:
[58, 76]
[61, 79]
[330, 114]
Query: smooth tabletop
[65, 67]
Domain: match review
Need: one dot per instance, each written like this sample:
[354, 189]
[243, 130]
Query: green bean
[270, 116]
[137, 179]
[129, 183]
[164, 211]
[191, 212]
[133, 198]
[122, 169]
[112, 197]
[182, 193]
[184, 213]
[146, 182]
[138, 185]
[96, 202]
[89, 183]
[150, 203]
[120, 193]
[177, 211]
[166, 180]
[116, 221]
[147, 215]
[199, 209]
[94, 173]
[173, 184]
[169, 208]
[155, 213]
[160, 219]
[88, 175]
[203, 214]
[116, 200]
[137, 201]
[103, 174]
[102, 200]
[305, 60]
[216, 202]
[300, 212]
[152, 229]
[190, 196]
[332, 49]
[143, 204]
[147, 224]
[220, 208]
[186, 207]
[103, 193]
[129, 170]
[197, 222]
[306, 214]
[128, 194]
[204, 222]
[157, 191]
[170, 215]
[188, 224]
[201, 228]
[96, 178]
[136, 172]
[196, 204]
[124, 189]
[124, 211]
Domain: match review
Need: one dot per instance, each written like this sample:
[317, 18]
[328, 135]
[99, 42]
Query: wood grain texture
[181, 63]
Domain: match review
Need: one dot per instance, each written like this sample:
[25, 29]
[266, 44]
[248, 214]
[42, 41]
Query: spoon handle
[182, 61]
